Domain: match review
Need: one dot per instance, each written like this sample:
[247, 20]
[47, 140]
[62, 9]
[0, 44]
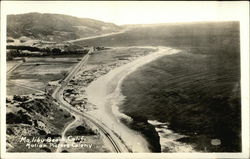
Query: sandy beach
[105, 93]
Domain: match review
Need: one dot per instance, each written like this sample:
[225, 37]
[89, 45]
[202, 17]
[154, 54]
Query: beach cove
[105, 94]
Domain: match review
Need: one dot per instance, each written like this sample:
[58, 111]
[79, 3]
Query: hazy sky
[134, 12]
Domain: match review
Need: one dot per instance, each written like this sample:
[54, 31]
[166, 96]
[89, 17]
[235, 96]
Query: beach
[105, 94]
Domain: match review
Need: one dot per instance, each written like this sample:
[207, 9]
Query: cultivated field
[36, 72]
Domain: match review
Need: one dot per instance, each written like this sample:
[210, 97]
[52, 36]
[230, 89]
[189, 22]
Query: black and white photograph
[125, 79]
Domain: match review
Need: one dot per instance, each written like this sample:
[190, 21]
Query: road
[58, 95]
[59, 148]
[14, 67]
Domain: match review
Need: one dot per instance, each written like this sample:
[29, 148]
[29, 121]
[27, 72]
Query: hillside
[33, 115]
[35, 124]
[55, 27]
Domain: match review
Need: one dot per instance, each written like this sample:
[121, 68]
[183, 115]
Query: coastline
[105, 93]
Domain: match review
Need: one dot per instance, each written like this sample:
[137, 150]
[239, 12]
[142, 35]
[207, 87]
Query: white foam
[168, 138]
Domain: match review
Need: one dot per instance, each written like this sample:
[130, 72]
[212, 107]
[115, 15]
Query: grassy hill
[55, 27]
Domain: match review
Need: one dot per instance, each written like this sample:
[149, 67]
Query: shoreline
[105, 93]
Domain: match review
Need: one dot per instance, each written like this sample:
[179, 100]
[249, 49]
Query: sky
[134, 12]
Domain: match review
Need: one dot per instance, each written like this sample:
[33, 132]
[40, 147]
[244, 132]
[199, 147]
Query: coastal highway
[58, 95]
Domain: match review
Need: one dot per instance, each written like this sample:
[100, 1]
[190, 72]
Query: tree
[64, 73]
[56, 51]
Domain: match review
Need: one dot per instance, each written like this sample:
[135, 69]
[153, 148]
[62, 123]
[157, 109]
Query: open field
[12, 65]
[36, 72]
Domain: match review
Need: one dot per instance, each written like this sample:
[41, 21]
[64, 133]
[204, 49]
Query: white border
[244, 33]
[3, 81]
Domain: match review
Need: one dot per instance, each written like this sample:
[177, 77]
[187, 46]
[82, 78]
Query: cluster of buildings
[75, 93]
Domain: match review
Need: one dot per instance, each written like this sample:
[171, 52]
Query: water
[168, 138]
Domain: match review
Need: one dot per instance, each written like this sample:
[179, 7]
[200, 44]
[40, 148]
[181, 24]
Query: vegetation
[29, 118]
[36, 72]
[55, 27]
[32, 51]
[83, 133]
[81, 130]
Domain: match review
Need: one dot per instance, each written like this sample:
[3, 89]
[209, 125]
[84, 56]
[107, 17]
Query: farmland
[36, 72]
